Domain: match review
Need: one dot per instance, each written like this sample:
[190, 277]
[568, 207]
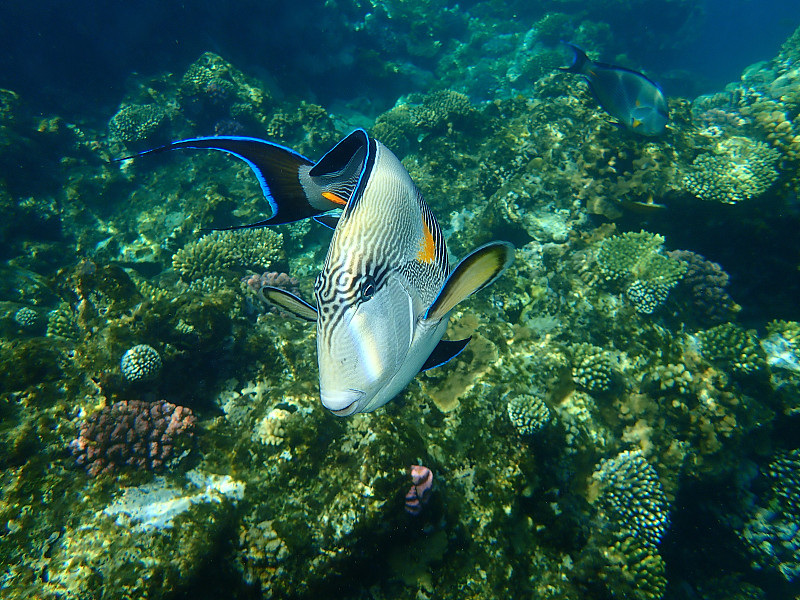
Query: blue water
[56, 52]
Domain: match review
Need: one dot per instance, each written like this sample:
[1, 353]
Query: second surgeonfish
[385, 292]
[634, 100]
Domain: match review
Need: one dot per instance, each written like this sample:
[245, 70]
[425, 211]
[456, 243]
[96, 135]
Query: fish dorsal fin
[279, 171]
[445, 351]
[473, 273]
[340, 172]
[288, 302]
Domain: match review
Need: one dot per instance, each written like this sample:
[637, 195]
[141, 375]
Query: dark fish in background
[634, 100]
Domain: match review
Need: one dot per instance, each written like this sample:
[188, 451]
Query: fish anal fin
[473, 273]
[329, 221]
[288, 302]
[445, 351]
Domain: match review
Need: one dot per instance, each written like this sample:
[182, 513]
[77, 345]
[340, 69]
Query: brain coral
[739, 169]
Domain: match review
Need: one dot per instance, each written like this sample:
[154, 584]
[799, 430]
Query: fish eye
[367, 288]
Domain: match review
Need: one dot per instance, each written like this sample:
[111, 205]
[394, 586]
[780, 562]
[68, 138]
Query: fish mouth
[348, 400]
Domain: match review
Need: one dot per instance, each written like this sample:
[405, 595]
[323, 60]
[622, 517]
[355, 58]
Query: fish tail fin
[282, 173]
[579, 60]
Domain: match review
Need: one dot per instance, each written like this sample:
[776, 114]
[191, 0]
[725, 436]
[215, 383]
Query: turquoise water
[622, 423]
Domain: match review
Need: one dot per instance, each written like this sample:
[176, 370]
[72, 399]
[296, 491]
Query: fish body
[634, 100]
[386, 291]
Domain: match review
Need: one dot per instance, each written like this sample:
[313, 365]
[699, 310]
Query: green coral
[635, 262]
[632, 518]
[674, 377]
[592, 368]
[730, 346]
[138, 123]
[62, 322]
[631, 499]
[635, 568]
[739, 169]
[438, 108]
[528, 413]
[220, 251]
[399, 127]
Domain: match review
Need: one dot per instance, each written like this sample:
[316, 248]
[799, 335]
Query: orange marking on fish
[427, 247]
[334, 198]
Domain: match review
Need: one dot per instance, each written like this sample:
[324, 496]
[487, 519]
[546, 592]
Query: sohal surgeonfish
[385, 292]
[634, 100]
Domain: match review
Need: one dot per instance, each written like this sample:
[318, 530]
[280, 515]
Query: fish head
[648, 120]
[365, 330]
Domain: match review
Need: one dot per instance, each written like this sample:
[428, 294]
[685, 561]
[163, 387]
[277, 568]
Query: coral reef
[133, 433]
[222, 251]
[634, 262]
[140, 363]
[606, 390]
[739, 169]
[528, 413]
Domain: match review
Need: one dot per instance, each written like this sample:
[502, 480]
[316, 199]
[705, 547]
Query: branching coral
[634, 262]
[731, 347]
[223, 250]
[739, 169]
[135, 123]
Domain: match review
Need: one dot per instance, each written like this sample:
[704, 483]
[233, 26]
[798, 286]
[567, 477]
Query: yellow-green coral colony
[738, 170]
[222, 251]
[635, 263]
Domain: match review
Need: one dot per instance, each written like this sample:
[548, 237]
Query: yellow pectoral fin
[475, 272]
[338, 200]
[636, 122]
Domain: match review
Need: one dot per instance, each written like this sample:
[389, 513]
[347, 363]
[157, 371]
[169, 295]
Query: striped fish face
[385, 265]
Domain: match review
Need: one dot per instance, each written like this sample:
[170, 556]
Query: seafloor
[622, 425]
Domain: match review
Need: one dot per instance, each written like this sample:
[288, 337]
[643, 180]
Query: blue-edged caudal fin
[288, 302]
[282, 173]
[477, 270]
[579, 60]
[445, 351]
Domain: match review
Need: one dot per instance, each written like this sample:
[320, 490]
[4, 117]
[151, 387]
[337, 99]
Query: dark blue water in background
[732, 34]
[57, 55]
